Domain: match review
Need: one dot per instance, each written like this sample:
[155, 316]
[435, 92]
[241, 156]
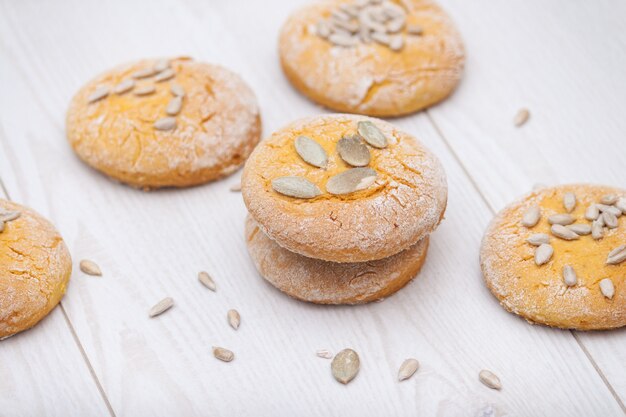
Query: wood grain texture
[151, 245]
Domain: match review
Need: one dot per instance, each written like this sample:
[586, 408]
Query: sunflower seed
[414, 29]
[597, 230]
[343, 40]
[372, 134]
[295, 187]
[609, 220]
[353, 151]
[538, 238]
[396, 43]
[569, 201]
[90, 267]
[165, 123]
[562, 219]
[347, 25]
[580, 229]
[345, 365]
[323, 353]
[521, 117]
[381, 37]
[234, 319]
[396, 24]
[144, 73]
[177, 90]
[621, 204]
[222, 354]
[145, 90]
[1, 226]
[124, 87]
[489, 379]
[164, 75]
[531, 216]
[408, 368]
[352, 180]
[543, 253]
[162, 65]
[322, 29]
[569, 276]
[609, 199]
[340, 15]
[610, 209]
[174, 106]
[607, 288]
[617, 255]
[98, 94]
[207, 281]
[161, 307]
[311, 151]
[563, 232]
[592, 212]
[365, 34]
[9, 215]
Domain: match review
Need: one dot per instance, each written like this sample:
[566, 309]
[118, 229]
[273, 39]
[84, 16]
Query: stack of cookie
[341, 207]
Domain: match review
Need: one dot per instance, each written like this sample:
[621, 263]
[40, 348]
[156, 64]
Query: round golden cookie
[539, 293]
[370, 77]
[119, 126]
[35, 267]
[324, 282]
[404, 204]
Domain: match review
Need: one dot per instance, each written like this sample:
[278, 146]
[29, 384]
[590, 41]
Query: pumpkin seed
[569, 201]
[174, 106]
[98, 94]
[311, 151]
[352, 150]
[531, 216]
[569, 276]
[234, 319]
[9, 215]
[161, 307]
[297, 187]
[206, 280]
[609, 199]
[563, 232]
[90, 267]
[323, 353]
[408, 369]
[177, 90]
[521, 117]
[165, 123]
[345, 365]
[597, 230]
[164, 75]
[617, 255]
[371, 134]
[145, 90]
[354, 179]
[489, 379]
[162, 65]
[621, 204]
[124, 86]
[543, 253]
[144, 73]
[538, 238]
[607, 288]
[562, 219]
[580, 229]
[592, 212]
[610, 220]
[222, 354]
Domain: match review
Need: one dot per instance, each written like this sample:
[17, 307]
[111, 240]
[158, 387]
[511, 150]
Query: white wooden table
[98, 354]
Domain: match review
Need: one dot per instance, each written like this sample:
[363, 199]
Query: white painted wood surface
[562, 59]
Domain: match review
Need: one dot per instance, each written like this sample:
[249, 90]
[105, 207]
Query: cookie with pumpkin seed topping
[164, 123]
[334, 211]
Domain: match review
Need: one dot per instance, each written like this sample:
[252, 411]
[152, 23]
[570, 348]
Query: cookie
[164, 123]
[323, 282]
[35, 268]
[397, 198]
[369, 57]
[546, 259]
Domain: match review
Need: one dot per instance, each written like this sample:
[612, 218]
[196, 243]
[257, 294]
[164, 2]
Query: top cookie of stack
[344, 188]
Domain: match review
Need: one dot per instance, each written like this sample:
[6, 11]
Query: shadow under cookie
[324, 282]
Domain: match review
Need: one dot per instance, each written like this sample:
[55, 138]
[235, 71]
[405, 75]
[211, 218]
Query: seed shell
[345, 365]
[489, 379]
[408, 369]
[538, 238]
[569, 276]
[234, 319]
[222, 354]
[311, 151]
[206, 280]
[354, 179]
[297, 187]
[353, 151]
[543, 254]
[161, 307]
[531, 216]
[324, 353]
[607, 288]
[371, 134]
[90, 267]
[569, 201]
[617, 255]
[563, 219]
[563, 232]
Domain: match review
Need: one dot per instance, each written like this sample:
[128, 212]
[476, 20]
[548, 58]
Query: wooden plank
[150, 245]
[564, 61]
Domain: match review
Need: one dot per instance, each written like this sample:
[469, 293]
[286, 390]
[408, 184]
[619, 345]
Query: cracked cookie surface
[405, 203]
[370, 78]
[216, 128]
[323, 282]
[35, 268]
[539, 293]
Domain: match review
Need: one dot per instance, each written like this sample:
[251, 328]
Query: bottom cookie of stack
[324, 282]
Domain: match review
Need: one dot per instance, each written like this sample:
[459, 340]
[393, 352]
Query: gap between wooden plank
[75, 337]
[493, 212]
